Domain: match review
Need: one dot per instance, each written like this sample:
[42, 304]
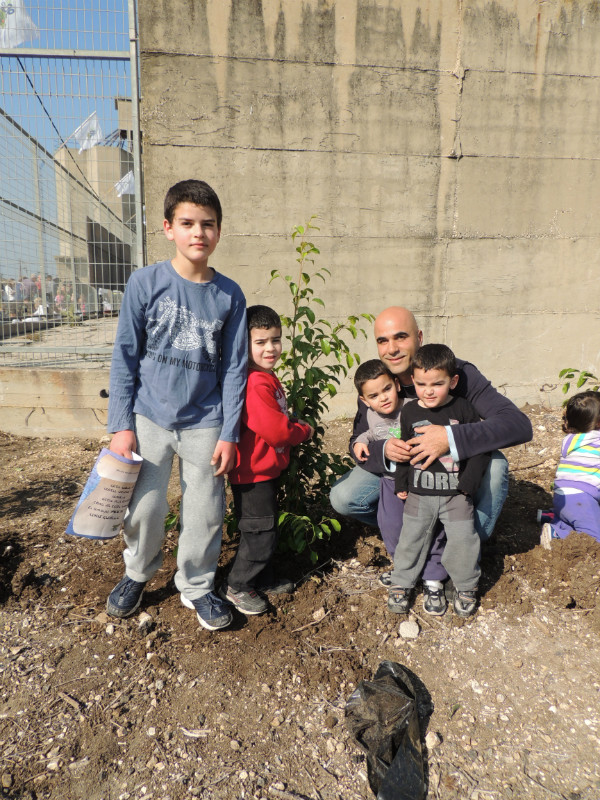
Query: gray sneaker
[125, 598]
[385, 579]
[399, 600]
[434, 599]
[247, 602]
[213, 614]
[279, 585]
[465, 603]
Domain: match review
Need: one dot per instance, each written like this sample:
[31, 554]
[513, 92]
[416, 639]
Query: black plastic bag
[382, 716]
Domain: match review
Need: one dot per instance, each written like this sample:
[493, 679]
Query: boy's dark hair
[582, 413]
[369, 371]
[197, 192]
[434, 356]
[262, 317]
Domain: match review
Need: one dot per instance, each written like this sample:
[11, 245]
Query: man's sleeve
[374, 462]
[473, 468]
[264, 417]
[234, 367]
[129, 343]
[502, 425]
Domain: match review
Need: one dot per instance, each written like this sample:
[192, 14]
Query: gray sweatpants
[461, 554]
[202, 506]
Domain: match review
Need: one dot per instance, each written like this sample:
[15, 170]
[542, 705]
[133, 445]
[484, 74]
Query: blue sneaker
[125, 598]
[212, 612]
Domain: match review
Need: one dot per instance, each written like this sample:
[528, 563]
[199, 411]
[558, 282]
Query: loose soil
[156, 707]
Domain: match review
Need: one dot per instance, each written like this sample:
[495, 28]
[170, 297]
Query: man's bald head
[398, 338]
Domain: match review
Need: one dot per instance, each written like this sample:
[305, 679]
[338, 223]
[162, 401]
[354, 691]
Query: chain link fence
[71, 218]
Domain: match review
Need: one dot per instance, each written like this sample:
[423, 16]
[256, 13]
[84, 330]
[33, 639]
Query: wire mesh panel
[68, 173]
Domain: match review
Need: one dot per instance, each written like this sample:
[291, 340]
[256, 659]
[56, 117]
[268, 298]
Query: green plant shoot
[317, 358]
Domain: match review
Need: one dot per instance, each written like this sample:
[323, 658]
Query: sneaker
[125, 598]
[247, 602]
[545, 516]
[465, 603]
[434, 599]
[279, 586]
[548, 533]
[213, 614]
[399, 600]
[385, 579]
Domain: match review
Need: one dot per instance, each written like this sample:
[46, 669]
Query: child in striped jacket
[577, 482]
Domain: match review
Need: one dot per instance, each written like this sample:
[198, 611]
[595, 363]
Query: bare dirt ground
[101, 709]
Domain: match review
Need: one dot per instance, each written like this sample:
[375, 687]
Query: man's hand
[123, 443]
[397, 450]
[223, 457]
[431, 444]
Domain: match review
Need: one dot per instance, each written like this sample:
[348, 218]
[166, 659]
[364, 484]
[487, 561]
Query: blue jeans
[356, 495]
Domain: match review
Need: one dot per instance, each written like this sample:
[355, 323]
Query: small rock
[151, 731]
[110, 629]
[234, 744]
[276, 721]
[53, 766]
[145, 623]
[279, 786]
[102, 618]
[432, 740]
[331, 721]
[319, 614]
[409, 629]
[243, 775]
[7, 780]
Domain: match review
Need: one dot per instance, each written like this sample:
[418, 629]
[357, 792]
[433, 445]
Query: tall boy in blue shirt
[177, 385]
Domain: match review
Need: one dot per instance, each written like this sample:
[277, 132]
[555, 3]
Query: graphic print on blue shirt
[183, 330]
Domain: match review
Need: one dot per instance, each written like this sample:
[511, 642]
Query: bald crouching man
[356, 494]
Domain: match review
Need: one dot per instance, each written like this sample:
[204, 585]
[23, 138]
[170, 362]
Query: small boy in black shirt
[443, 491]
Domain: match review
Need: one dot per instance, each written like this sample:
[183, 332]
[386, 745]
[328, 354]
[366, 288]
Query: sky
[44, 100]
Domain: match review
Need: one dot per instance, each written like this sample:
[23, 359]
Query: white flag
[16, 25]
[89, 133]
[126, 185]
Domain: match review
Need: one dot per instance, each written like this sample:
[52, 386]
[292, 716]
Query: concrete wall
[450, 150]
[42, 402]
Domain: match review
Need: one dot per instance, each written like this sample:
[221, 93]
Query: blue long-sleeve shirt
[180, 355]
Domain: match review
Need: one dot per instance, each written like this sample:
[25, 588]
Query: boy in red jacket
[263, 452]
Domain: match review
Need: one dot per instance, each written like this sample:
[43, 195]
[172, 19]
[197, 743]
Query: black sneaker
[399, 600]
[280, 585]
[385, 579]
[125, 598]
[212, 612]
[249, 602]
[434, 599]
[465, 603]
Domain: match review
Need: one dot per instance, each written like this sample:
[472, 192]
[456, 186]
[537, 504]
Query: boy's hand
[361, 451]
[429, 445]
[312, 430]
[123, 443]
[397, 450]
[402, 495]
[223, 457]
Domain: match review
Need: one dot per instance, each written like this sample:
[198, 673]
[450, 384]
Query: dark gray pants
[256, 512]
[461, 555]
